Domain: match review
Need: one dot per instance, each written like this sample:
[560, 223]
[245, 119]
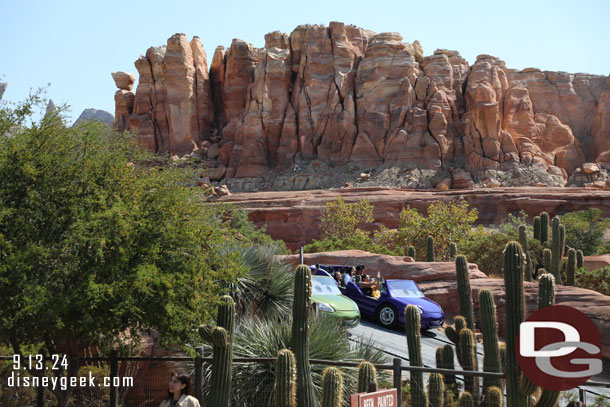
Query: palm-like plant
[266, 290]
[259, 338]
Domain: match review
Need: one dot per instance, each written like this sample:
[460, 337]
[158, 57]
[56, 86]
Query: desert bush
[349, 243]
[596, 280]
[585, 230]
[446, 222]
[343, 220]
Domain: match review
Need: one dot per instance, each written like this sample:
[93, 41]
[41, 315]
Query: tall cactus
[430, 249]
[525, 247]
[221, 337]
[285, 379]
[571, 267]
[411, 252]
[547, 256]
[444, 360]
[452, 251]
[544, 227]
[580, 259]
[495, 398]
[436, 390]
[300, 336]
[515, 314]
[468, 350]
[332, 387]
[537, 227]
[413, 328]
[546, 298]
[367, 374]
[464, 290]
[556, 249]
[491, 352]
[466, 400]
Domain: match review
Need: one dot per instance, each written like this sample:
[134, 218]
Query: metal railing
[395, 370]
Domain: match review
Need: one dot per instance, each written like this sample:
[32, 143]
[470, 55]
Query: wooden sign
[381, 398]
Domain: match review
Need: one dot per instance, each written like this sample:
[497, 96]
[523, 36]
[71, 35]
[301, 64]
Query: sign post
[381, 398]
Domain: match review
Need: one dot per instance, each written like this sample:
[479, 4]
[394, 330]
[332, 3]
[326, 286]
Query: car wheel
[387, 316]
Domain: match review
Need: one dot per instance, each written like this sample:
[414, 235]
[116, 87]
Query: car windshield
[324, 285]
[404, 289]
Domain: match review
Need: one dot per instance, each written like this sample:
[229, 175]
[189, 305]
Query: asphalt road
[394, 343]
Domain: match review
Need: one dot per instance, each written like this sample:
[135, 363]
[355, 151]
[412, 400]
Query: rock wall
[341, 94]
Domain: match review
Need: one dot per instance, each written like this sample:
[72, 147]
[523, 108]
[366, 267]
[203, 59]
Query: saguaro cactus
[436, 390]
[221, 337]
[525, 247]
[444, 360]
[367, 374]
[580, 259]
[464, 290]
[537, 227]
[491, 358]
[515, 311]
[332, 387]
[300, 336]
[571, 267]
[430, 249]
[546, 298]
[285, 379]
[548, 254]
[494, 398]
[557, 249]
[544, 227]
[466, 399]
[468, 351]
[452, 251]
[413, 328]
[411, 252]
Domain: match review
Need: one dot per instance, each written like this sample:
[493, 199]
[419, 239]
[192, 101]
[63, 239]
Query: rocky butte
[344, 97]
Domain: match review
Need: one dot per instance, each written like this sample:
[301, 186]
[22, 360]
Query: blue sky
[75, 45]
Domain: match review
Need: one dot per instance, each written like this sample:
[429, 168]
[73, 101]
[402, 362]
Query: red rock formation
[123, 99]
[343, 94]
[294, 216]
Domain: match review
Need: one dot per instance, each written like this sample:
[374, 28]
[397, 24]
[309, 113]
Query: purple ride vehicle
[389, 309]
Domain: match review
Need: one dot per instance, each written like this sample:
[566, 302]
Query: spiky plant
[332, 387]
[285, 390]
[430, 249]
[491, 352]
[436, 390]
[411, 252]
[299, 343]
[419, 397]
[367, 374]
[571, 267]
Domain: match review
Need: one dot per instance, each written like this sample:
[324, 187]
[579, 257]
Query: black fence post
[397, 373]
[40, 389]
[198, 374]
[582, 396]
[114, 372]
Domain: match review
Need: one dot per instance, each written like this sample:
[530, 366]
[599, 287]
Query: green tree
[343, 220]
[585, 230]
[96, 244]
[446, 222]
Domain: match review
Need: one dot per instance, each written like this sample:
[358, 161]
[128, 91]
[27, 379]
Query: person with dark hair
[178, 392]
[575, 403]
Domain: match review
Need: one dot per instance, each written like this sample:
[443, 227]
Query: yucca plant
[253, 383]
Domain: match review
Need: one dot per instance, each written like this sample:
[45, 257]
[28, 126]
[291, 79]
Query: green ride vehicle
[326, 297]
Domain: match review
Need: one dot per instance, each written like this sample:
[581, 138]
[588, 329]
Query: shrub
[585, 230]
[596, 280]
[350, 243]
[342, 220]
[446, 222]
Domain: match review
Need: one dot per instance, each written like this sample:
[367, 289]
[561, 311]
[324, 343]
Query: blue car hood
[427, 305]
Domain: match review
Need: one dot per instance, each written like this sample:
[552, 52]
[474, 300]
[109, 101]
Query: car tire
[387, 316]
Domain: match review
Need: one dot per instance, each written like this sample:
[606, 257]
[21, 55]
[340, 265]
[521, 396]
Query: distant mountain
[94, 114]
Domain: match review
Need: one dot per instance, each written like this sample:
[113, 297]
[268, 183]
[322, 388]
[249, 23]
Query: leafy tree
[342, 220]
[446, 222]
[96, 244]
[585, 230]
[364, 243]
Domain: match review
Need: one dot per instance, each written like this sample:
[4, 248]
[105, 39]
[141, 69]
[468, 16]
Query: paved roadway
[394, 343]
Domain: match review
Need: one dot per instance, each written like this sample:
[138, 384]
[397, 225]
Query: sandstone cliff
[341, 94]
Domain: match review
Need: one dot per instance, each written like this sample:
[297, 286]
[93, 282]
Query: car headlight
[325, 307]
